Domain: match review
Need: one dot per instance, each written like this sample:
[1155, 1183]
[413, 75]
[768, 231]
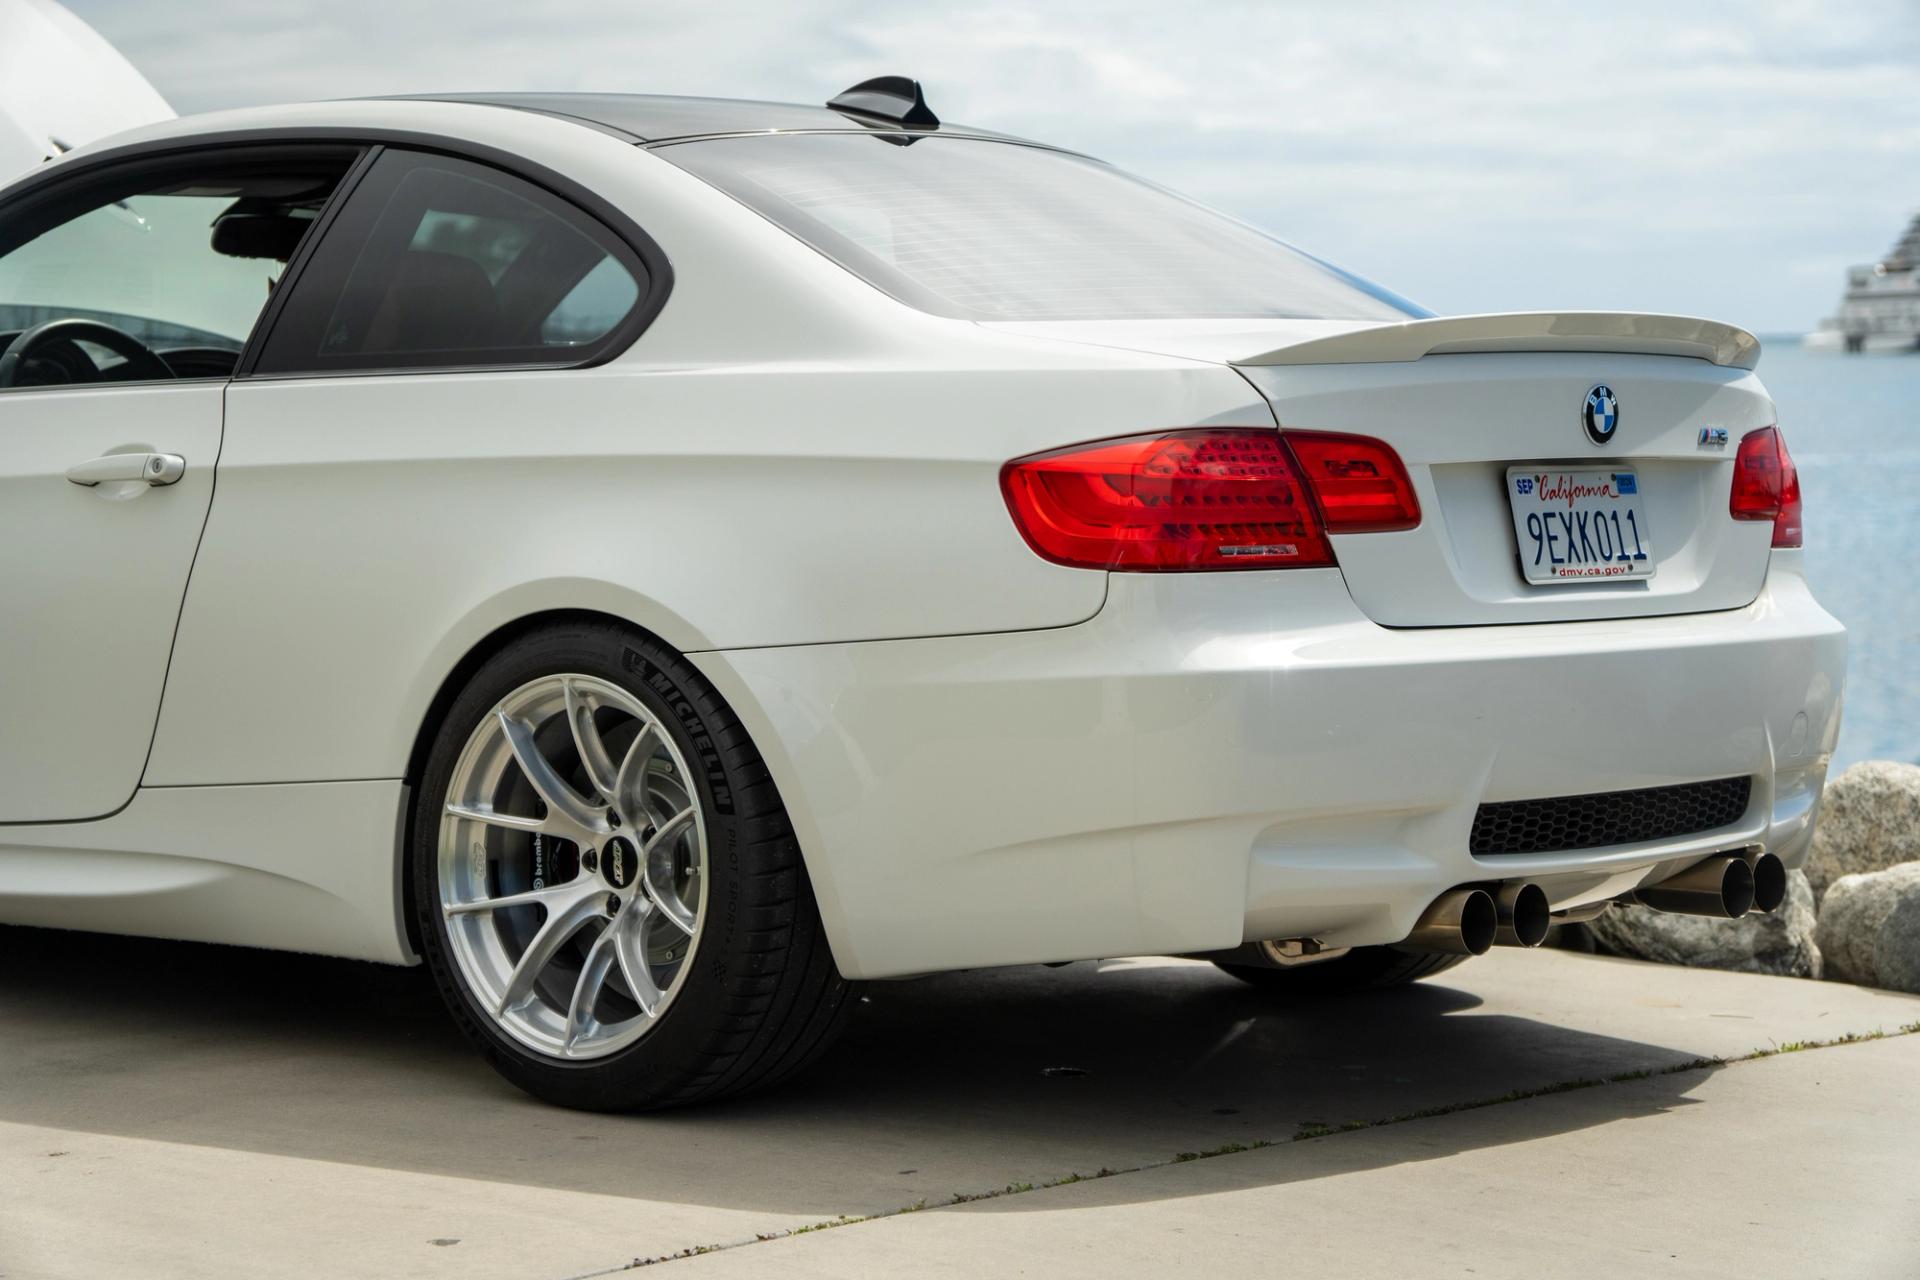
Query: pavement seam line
[1305, 1133]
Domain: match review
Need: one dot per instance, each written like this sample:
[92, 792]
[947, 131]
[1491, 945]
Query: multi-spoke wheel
[564, 887]
[572, 865]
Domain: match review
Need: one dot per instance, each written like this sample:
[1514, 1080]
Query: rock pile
[1781, 943]
[1852, 916]
[1869, 821]
[1870, 928]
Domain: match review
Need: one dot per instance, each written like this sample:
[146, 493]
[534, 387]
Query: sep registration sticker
[1579, 526]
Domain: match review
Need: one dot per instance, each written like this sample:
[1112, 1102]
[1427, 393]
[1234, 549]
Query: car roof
[500, 120]
[649, 117]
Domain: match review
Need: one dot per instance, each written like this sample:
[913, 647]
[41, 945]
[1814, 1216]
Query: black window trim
[303, 254]
[659, 270]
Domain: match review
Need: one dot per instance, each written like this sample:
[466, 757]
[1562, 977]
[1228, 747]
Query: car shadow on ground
[959, 1084]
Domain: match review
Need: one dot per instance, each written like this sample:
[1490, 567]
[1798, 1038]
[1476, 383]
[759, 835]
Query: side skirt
[288, 866]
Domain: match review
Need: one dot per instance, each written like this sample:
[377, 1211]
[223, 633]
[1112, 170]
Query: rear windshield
[996, 231]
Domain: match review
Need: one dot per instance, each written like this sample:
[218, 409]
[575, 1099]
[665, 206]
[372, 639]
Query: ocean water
[1852, 424]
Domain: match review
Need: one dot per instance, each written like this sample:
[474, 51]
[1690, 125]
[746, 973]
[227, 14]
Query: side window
[436, 262]
[155, 270]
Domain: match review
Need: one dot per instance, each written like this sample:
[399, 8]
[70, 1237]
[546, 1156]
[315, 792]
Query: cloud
[1474, 155]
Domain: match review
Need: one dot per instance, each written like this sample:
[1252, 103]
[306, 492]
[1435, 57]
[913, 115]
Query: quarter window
[443, 263]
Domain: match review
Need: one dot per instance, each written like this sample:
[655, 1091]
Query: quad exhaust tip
[1460, 922]
[1469, 921]
[1523, 915]
[1769, 881]
[1722, 886]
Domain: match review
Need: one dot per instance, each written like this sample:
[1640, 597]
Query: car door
[126, 297]
[409, 411]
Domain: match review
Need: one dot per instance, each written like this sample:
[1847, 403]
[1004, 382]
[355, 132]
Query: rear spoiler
[1623, 332]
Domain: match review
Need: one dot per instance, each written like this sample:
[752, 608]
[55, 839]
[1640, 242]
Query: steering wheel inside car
[142, 363]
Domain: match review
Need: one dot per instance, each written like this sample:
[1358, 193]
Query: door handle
[154, 468]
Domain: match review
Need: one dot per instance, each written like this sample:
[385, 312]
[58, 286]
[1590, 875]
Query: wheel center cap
[619, 862]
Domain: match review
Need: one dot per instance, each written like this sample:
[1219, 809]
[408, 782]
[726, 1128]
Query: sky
[1717, 158]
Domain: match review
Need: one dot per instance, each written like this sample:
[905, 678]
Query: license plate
[1578, 526]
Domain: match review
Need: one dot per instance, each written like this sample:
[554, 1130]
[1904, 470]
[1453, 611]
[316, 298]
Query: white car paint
[793, 478]
[1457, 420]
[294, 867]
[1286, 342]
[62, 85]
[1218, 757]
[93, 579]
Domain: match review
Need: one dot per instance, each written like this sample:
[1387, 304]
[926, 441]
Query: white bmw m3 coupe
[660, 561]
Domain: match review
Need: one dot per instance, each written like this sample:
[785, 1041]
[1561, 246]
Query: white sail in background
[61, 85]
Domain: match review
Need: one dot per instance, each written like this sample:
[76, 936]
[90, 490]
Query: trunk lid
[1463, 399]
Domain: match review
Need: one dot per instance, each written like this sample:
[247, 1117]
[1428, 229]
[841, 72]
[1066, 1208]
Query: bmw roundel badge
[1600, 414]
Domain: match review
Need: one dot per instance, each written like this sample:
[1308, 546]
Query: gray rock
[1869, 821]
[1870, 928]
[1781, 943]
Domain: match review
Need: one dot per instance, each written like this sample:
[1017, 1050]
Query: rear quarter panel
[786, 457]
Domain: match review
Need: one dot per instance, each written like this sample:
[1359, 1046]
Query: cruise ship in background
[1881, 309]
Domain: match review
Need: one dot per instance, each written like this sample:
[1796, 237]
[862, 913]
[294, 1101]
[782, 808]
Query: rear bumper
[1221, 757]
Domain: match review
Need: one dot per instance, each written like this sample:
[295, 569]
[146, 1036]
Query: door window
[436, 262]
[156, 271]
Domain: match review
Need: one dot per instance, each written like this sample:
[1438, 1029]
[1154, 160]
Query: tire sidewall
[682, 1040]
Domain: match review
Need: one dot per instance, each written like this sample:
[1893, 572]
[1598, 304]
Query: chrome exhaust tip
[1522, 915]
[1460, 922]
[1769, 881]
[1718, 886]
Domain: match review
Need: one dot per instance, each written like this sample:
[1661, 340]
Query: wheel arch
[453, 679]
[457, 672]
[462, 671]
[500, 616]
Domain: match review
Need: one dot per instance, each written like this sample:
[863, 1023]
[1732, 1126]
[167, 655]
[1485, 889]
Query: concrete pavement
[1799, 1165]
[225, 1112]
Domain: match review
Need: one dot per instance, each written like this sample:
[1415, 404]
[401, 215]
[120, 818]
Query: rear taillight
[1204, 499]
[1766, 486]
[1212, 498]
[1359, 482]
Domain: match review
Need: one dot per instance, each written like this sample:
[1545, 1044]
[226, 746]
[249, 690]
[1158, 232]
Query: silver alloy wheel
[572, 863]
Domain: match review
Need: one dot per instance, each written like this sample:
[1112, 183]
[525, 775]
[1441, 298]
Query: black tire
[762, 998]
[1361, 969]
